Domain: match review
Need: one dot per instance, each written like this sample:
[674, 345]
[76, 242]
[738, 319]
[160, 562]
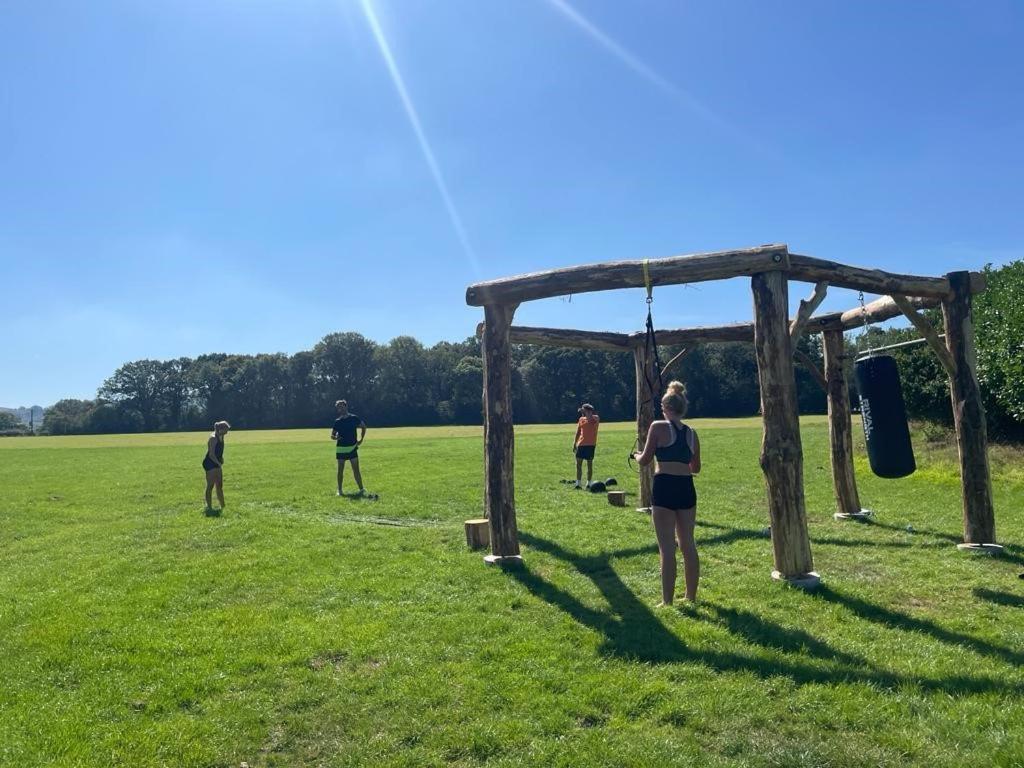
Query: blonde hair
[674, 398]
[218, 424]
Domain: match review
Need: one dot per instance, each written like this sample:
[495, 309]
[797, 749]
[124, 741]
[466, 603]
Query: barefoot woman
[674, 499]
[213, 463]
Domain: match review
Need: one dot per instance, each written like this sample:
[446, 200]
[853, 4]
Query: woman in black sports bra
[213, 463]
[673, 497]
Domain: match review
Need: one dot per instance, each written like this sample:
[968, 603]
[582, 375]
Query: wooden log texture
[478, 533]
[807, 307]
[604, 276]
[969, 415]
[840, 426]
[645, 400]
[927, 331]
[815, 270]
[880, 309]
[699, 335]
[558, 337]
[499, 487]
[781, 450]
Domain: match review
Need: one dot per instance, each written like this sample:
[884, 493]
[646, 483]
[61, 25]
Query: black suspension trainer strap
[651, 345]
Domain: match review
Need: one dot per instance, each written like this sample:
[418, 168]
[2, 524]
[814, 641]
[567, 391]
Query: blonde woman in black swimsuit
[213, 463]
[673, 497]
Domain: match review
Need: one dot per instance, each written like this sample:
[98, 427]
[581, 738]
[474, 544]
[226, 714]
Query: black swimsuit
[218, 450]
[675, 491]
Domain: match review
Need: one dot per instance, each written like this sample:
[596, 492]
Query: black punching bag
[884, 417]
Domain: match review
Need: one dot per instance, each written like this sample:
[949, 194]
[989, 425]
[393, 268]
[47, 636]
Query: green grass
[304, 629]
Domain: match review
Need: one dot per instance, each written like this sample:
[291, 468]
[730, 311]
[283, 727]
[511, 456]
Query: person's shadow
[632, 631]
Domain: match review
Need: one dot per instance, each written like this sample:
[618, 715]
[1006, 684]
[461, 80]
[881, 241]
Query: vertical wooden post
[840, 429]
[645, 399]
[781, 451]
[969, 417]
[499, 466]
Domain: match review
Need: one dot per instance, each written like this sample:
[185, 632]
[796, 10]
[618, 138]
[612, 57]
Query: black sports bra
[679, 449]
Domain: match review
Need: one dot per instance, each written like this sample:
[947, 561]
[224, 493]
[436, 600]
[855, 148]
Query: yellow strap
[647, 279]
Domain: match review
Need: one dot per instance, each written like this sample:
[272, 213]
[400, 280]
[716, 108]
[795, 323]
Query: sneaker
[577, 485]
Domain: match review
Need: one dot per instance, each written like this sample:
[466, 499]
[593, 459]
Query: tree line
[404, 382]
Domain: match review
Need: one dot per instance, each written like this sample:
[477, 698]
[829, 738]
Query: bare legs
[214, 479]
[579, 470]
[668, 525]
[354, 461]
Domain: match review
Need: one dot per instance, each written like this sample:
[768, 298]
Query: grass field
[299, 628]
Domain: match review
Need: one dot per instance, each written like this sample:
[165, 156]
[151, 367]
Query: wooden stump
[781, 450]
[499, 466]
[840, 429]
[617, 498]
[969, 414]
[478, 533]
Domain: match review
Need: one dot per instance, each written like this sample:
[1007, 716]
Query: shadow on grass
[900, 621]
[633, 632]
[1000, 598]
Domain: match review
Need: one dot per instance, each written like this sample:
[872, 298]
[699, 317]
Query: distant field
[303, 629]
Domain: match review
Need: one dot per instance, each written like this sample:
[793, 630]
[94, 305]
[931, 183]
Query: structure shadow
[633, 632]
[1000, 598]
[895, 620]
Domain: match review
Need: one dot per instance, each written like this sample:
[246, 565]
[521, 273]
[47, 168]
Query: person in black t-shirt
[344, 432]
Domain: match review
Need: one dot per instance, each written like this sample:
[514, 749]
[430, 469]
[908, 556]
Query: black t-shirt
[346, 427]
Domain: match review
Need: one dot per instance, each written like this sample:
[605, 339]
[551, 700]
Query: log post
[645, 402]
[781, 451]
[840, 429]
[499, 466]
[969, 418]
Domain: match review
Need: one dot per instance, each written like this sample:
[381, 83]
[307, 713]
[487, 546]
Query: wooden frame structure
[770, 269]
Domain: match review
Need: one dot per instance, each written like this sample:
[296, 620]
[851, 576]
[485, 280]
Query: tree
[999, 331]
[345, 367]
[11, 425]
[137, 387]
[67, 417]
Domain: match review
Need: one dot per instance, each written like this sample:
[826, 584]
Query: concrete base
[981, 549]
[806, 581]
[864, 514]
[505, 561]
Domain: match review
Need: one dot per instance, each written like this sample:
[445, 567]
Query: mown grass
[304, 629]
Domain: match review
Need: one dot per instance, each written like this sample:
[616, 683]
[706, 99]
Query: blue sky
[244, 176]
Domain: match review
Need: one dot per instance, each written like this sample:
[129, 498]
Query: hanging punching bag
[884, 417]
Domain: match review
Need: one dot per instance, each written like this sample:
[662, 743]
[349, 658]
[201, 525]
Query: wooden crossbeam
[605, 276]
[815, 270]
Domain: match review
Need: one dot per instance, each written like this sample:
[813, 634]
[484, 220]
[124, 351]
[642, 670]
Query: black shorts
[585, 451]
[344, 452]
[674, 492]
[208, 465]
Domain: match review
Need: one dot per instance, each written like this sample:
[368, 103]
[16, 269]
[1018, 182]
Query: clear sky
[249, 175]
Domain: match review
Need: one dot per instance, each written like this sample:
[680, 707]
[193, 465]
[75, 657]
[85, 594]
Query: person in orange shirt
[585, 442]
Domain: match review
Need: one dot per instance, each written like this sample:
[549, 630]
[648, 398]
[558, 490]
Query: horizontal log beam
[558, 337]
[673, 336]
[881, 309]
[815, 270]
[606, 276]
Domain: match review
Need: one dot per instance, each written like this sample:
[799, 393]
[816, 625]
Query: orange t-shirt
[586, 430]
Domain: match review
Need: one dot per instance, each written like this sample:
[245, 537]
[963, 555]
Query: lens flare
[421, 136]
